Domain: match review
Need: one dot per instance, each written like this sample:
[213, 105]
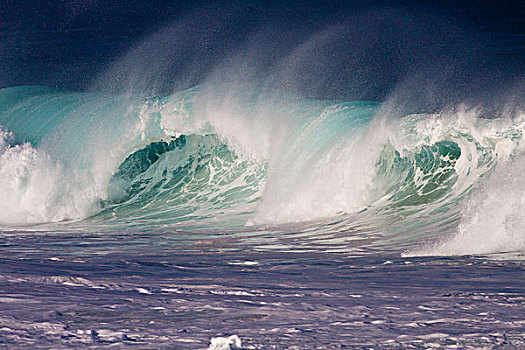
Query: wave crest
[193, 160]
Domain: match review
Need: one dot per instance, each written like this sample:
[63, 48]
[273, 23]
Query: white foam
[305, 185]
[493, 218]
[68, 173]
[28, 182]
[229, 343]
[35, 188]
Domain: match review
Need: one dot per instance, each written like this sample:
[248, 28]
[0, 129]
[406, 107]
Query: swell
[257, 160]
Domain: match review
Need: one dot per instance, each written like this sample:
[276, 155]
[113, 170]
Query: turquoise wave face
[188, 179]
[243, 161]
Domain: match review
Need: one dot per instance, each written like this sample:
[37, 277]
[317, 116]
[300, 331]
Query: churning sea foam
[492, 218]
[28, 182]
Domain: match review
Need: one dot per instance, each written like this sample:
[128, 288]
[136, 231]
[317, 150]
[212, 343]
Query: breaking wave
[260, 160]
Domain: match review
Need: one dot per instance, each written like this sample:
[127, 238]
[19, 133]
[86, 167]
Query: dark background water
[71, 44]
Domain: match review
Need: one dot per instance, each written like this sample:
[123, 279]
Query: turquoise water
[252, 163]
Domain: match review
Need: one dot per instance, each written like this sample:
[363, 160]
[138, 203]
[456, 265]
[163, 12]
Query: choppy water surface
[142, 290]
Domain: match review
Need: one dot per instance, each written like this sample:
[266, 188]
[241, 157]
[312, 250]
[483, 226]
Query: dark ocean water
[281, 175]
